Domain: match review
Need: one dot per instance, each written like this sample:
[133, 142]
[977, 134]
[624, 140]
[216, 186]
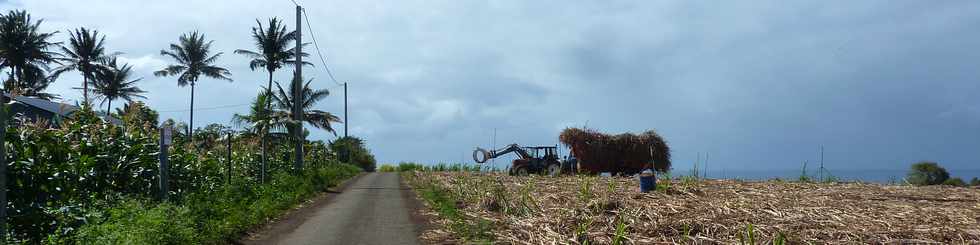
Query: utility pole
[345, 110]
[821, 163]
[297, 91]
[706, 154]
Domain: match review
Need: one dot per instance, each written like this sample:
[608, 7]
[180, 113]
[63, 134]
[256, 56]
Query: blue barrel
[648, 181]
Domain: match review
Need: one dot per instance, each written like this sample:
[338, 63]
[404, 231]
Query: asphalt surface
[372, 209]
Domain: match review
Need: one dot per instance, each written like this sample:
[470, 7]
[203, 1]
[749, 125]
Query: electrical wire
[209, 108]
[309, 27]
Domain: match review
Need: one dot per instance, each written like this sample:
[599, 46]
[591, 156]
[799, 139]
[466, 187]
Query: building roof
[61, 109]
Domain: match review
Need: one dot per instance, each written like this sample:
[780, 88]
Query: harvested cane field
[607, 210]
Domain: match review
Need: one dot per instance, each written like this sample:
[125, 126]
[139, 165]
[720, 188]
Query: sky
[752, 84]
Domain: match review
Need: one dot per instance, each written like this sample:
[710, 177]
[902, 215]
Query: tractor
[531, 160]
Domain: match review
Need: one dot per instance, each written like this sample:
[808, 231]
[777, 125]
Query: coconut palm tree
[259, 119]
[194, 58]
[284, 107]
[272, 43]
[84, 53]
[114, 83]
[35, 82]
[24, 50]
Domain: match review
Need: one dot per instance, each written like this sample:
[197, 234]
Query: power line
[209, 108]
[315, 45]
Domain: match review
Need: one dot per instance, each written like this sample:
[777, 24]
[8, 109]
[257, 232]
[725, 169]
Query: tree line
[65, 178]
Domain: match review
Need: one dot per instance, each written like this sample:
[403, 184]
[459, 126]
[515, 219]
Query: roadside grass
[444, 202]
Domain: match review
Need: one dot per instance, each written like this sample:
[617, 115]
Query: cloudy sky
[757, 84]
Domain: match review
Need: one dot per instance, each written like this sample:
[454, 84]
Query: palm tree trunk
[85, 85]
[190, 131]
[108, 108]
[19, 78]
[265, 133]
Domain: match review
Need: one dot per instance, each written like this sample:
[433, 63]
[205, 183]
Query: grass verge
[442, 201]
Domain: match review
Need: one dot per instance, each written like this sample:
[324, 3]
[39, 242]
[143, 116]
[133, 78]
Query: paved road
[372, 210]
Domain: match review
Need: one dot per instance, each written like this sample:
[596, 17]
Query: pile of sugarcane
[623, 153]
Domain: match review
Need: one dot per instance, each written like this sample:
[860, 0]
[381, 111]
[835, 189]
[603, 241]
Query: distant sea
[877, 176]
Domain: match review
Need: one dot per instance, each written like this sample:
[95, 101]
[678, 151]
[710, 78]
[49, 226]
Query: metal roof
[61, 109]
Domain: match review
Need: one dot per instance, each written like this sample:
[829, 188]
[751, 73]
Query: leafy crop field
[609, 210]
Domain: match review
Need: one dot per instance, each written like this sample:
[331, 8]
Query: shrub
[133, 223]
[975, 181]
[69, 176]
[209, 216]
[352, 150]
[408, 166]
[954, 182]
[387, 168]
[927, 173]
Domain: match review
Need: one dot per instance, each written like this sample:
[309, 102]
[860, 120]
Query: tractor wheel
[519, 171]
[554, 169]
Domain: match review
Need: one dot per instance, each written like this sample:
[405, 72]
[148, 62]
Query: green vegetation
[402, 167]
[954, 182]
[62, 181]
[352, 150]
[27, 52]
[83, 54]
[83, 180]
[193, 58]
[975, 181]
[113, 82]
[927, 173]
[207, 217]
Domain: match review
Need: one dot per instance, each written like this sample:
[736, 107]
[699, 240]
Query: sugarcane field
[612, 196]
[611, 210]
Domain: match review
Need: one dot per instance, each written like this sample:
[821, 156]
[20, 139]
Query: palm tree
[273, 48]
[273, 52]
[84, 54]
[35, 81]
[259, 119]
[114, 83]
[194, 58]
[24, 50]
[284, 107]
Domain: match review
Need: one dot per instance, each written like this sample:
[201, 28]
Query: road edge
[416, 208]
[286, 223]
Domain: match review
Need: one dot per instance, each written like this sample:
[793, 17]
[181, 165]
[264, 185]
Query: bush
[927, 173]
[210, 217]
[132, 222]
[409, 166]
[954, 182]
[352, 150]
[60, 179]
[975, 181]
[388, 168]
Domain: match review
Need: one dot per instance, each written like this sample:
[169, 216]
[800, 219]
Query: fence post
[165, 140]
[229, 157]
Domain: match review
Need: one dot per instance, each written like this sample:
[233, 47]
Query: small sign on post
[167, 135]
[166, 139]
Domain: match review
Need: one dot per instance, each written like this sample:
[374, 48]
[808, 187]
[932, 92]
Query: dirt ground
[581, 209]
